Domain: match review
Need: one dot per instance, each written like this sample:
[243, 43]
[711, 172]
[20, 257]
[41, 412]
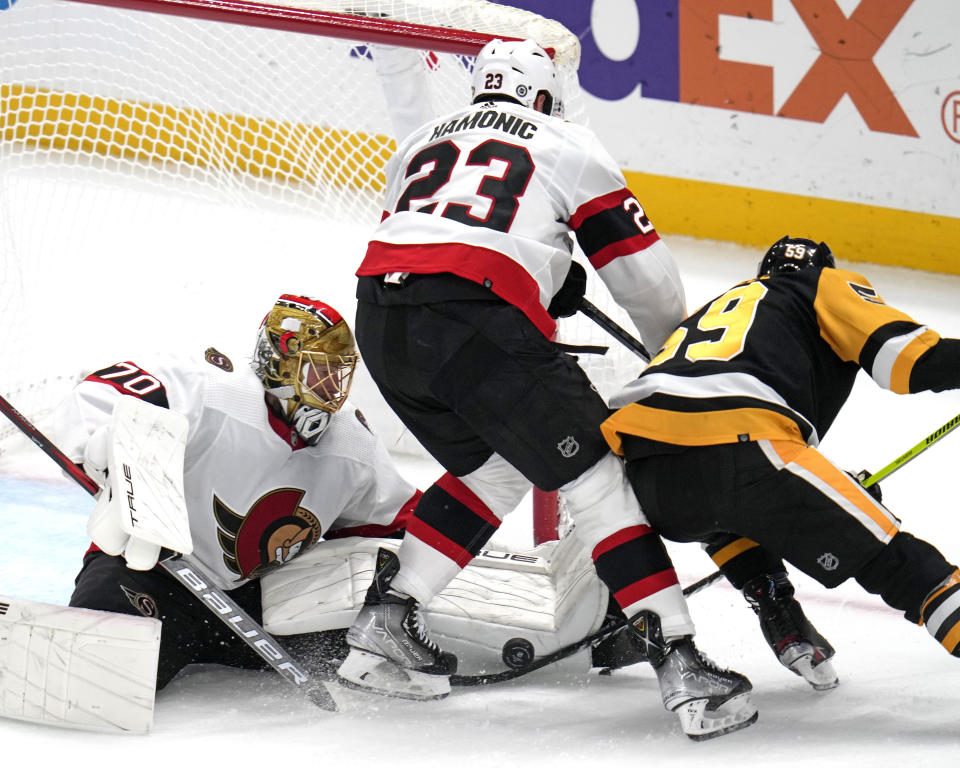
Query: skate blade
[701, 724]
[371, 673]
[822, 676]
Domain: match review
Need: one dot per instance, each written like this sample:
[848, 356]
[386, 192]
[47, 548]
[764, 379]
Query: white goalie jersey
[492, 193]
[256, 495]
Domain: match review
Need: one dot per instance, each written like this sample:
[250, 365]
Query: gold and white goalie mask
[305, 356]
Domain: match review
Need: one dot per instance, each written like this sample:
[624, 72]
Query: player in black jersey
[720, 432]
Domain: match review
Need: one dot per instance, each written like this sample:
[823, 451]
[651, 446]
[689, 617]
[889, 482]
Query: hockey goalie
[278, 487]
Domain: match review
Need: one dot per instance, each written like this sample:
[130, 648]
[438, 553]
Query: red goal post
[311, 21]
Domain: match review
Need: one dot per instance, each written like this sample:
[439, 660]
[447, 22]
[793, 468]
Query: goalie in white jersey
[454, 321]
[274, 461]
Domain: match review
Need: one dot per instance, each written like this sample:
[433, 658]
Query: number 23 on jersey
[431, 174]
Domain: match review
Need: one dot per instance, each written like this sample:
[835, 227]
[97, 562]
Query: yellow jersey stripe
[903, 366]
[841, 488]
[707, 428]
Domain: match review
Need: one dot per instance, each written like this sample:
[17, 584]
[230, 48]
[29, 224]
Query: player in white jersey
[453, 322]
[274, 461]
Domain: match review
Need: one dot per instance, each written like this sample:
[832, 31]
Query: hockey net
[168, 167]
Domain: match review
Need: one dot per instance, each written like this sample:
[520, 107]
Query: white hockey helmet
[305, 356]
[517, 70]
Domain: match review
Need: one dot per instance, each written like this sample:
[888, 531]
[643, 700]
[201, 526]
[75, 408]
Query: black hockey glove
[873, 490]
[567, 300]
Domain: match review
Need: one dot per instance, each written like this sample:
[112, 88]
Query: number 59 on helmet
[790, 254]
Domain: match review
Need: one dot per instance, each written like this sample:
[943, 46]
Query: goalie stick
[192, 575]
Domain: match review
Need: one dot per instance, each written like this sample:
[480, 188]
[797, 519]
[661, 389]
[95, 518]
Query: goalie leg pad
[77, 668]
[502, 612]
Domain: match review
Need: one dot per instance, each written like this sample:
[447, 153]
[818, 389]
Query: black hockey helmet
[790, 254]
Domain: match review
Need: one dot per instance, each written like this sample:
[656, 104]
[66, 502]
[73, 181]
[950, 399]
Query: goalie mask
[791, 254]
[305, 356]
[517, 71]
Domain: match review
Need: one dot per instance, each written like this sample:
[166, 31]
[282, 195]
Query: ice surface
[899, 697]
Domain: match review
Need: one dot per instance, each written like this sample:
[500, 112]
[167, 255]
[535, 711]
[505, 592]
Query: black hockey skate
[793, 639]
[621, 648]
[709, 701]
[390, 653]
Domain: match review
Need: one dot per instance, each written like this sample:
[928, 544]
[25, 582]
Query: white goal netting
[164, 178]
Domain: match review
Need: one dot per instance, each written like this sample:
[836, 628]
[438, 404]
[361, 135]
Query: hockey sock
[448, 529]
[941, 613]
[741, 559]
[636, 568]
[453, 519]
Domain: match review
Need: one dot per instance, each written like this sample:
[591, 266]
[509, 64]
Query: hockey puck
[517, 653]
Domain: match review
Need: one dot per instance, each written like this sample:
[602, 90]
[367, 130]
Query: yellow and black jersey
[775, 358]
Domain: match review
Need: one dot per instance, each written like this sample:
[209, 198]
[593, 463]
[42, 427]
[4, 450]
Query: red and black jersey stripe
[610, 226]
[634, 564]
[130, 379]
[453, 520]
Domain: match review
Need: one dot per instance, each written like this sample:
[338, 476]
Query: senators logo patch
[143, 602]
[274, 531]
[218, 359]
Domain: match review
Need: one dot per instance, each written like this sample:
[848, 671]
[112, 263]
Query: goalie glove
[141, 508]
[566, 301]
[107, 531]
[96, 455]
[104, 526]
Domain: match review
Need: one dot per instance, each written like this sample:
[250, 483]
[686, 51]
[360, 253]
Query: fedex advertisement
[745, 119]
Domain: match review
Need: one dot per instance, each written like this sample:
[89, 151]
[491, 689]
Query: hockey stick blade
[605, 632]
[191, 574]
[594, 313]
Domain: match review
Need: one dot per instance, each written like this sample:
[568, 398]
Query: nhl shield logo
[568, 447]
[828, 561]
